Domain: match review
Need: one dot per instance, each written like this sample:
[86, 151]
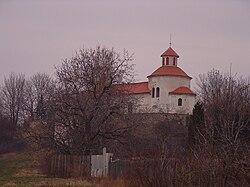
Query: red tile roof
[134, 88]
[170, 52]
[169, 71]
[182, 90]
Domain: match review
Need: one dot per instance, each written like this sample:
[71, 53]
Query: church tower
[169, 57]
[169, 86]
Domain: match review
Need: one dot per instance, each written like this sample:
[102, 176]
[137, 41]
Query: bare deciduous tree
[86, 108]
[12, 97]
[225, 132]
[227, 107]
[36, 93]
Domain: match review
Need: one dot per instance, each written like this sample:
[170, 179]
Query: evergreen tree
[196, 123]
[40, 109]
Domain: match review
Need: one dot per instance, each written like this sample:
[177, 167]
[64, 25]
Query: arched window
[163, 61]
[167, 61]
[157, 92]
[179, 102]
[130, 108]
[153, 92]
[174, 61]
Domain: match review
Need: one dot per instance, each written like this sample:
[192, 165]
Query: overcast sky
[36, 35]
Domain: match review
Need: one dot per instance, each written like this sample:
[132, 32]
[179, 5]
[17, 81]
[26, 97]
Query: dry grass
[107, 182]
[21, 169]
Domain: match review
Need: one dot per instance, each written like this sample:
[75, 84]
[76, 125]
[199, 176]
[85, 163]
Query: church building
[167, 89]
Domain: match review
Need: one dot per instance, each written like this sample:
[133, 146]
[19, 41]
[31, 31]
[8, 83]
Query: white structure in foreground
[167, 90]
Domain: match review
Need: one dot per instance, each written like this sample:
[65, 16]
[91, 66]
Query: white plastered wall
[166, 85]
[188, 102]
[142, 103]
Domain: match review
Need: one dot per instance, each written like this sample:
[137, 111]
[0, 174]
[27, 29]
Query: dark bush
[9, 139]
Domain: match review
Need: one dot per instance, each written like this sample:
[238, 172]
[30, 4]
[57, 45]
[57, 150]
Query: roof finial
[170, 40]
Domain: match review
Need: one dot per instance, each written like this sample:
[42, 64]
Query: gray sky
[35, 35]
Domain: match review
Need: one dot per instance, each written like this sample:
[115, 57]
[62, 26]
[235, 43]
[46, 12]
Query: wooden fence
[69, 166]
[78, 166]
[142, 168]
[66, 166]
[120, 168]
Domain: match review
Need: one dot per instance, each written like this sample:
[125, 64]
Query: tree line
[74, 111]
[21, 101]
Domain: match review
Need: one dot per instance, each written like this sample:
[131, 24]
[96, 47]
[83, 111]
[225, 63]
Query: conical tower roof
[170, 52]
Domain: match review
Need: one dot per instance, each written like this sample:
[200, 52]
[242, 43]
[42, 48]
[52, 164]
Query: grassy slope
[20, 169]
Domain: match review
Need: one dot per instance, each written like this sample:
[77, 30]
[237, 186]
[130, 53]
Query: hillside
[21, 169]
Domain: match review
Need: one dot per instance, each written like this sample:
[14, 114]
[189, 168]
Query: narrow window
[157, 92]
[167, 59]
[163, 60]
[179, 102]
[130, 108]
[174, 61]
[153, 92]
